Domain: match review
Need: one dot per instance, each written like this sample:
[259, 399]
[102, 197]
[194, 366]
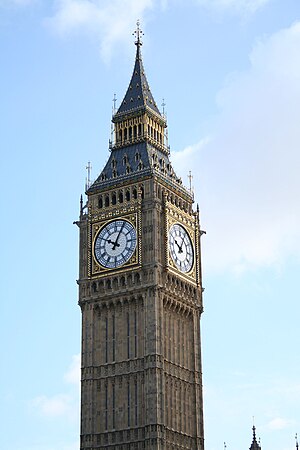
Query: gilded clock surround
[189, 222]
[96, 270]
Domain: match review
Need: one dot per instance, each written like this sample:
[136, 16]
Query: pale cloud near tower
[112, 23]
[109, 21]
[62, 405]
[247, 176]
[239, 6]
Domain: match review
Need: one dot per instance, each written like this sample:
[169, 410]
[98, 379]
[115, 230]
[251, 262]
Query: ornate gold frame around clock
[95, 269]
[175, 215]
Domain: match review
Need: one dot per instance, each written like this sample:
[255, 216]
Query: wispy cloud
[63, 404]
[16, 3]
[279, 423]
[248, 171]
[56, 406]
[237, 6]
[110, 21]
[73, 374]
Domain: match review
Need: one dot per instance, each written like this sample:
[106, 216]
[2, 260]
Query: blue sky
[229, 71]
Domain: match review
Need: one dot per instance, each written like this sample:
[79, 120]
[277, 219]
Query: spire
[254, 445]
[138, 144]
[138, 95]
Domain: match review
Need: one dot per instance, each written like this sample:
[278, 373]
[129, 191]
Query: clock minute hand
[116, 241]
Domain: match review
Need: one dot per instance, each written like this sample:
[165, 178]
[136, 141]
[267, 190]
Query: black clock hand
[179, 247]
[116, 241]
[111, 242]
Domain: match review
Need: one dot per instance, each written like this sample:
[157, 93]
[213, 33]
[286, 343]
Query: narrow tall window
[106, 339]
[113, 406]
[128, 405]
[135, 403]
[128, 336]
[106, 407]
[135, 334]
[113, 338]
[178, 342]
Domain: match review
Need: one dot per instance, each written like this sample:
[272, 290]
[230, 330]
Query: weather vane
[138, 34]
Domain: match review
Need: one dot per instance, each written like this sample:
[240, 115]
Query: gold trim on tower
[175, 215]
[95, 268]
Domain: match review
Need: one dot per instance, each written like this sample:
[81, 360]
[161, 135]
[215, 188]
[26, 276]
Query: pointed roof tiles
[138, 95]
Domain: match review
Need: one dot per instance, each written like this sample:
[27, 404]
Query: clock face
[115, 244]
[181, 248]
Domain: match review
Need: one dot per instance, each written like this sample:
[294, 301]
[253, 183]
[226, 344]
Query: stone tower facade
[140, 291]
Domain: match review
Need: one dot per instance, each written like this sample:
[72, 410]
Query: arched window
[100, 202]
[121, 198]
[114, 199]
[128, 196]
[106, 200]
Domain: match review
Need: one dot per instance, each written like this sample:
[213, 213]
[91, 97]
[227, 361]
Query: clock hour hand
[115, 244]
[116, 241]
[179, 246]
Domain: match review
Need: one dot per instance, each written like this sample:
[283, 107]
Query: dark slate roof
[141, 158]
[138, 93]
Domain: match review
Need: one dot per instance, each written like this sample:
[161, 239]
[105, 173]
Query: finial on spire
[88, 177]
[163, 108]
[114, 104]
[297, 443]
[190, 177]
[138, 34]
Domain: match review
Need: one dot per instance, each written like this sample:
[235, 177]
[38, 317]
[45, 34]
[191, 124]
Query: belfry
[140, 290]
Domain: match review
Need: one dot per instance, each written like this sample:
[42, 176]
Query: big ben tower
[140, 290]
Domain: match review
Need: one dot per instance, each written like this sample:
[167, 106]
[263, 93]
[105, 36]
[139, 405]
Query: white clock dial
[115, 244]
[181, 248]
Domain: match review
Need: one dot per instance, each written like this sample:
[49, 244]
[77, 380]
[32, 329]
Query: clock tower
[140, 290]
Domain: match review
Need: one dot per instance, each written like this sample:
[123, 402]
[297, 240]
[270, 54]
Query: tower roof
[138, 95]
[254, 445]
[138, 147]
